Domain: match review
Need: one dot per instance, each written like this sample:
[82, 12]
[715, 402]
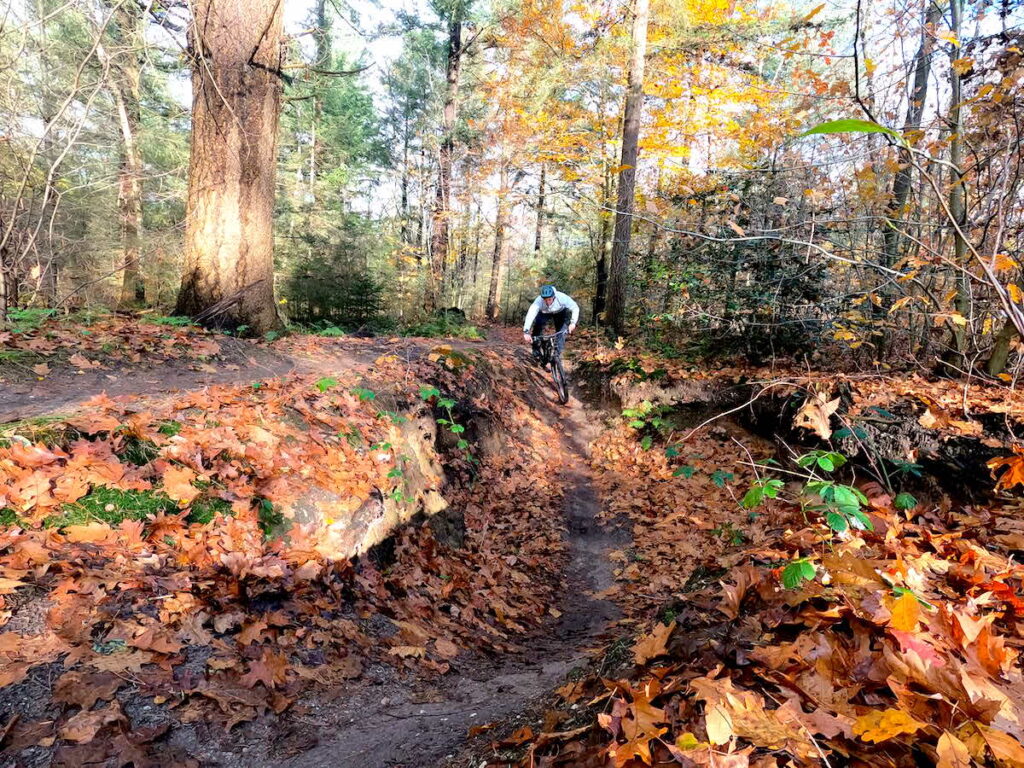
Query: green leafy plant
[797, 572]
[364, 394]
[327, 382]
[447, 404]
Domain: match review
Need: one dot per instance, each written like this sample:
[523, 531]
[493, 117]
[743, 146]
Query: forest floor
[603, 588]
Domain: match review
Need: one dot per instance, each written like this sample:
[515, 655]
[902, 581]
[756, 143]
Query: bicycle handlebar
[552, 335]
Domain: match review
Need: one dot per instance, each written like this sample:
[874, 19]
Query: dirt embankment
[217, 640]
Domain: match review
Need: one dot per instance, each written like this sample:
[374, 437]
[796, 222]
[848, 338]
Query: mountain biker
[554, 307]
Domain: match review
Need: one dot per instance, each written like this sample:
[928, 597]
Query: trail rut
[391, 725]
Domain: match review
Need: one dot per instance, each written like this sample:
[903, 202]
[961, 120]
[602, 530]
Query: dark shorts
[557, 320]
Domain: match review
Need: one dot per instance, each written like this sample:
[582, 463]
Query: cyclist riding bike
[552, 307]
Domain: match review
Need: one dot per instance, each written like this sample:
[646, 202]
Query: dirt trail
[391, 725]
[25, 396]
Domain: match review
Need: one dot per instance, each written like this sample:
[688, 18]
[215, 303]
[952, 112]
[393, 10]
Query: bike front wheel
[561, 383]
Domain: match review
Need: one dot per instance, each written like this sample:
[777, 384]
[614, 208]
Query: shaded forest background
[647, 157]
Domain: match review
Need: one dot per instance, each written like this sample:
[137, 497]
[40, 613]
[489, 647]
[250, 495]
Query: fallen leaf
[880, 725]
[86, 724]
[654, 644]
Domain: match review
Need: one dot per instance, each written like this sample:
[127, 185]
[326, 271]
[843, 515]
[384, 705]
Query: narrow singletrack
[392, 725]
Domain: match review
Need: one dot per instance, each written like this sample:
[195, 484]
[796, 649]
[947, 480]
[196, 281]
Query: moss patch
[113, 506]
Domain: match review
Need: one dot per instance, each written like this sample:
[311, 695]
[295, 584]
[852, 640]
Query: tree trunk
[322, 36]
[540, 211]
[604, 245]
[915, 108]
[1001, 350]
[125, 62]
[405, 180]
[236, 103]
[618, 278]
[497, 259]
[442, 195]
[45, 270]
[957, 206]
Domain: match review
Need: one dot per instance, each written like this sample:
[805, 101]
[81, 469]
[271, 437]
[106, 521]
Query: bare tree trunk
[45, 270]
[125, 62]
[442, 195]
[405, 181]
[601, 267]
[236, 103]
[540, 210]
[619, 276]
[322, 36]
[915, 109]
[498, 257]
[957, 205]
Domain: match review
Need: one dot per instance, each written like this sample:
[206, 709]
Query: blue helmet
[547, 291]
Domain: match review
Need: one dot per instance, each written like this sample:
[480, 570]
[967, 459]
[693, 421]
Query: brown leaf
[270, 670]
[84, 689]
[654, 644]
[952, 752]
[86, 724]
[446, 648]
[814, 415]
[407, 651]
[82, 362]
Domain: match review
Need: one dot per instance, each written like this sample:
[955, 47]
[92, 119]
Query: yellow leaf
[719, 725]
[814, 12]
[1015, 293]
[880, 725]
[952, 752]
[905, 613]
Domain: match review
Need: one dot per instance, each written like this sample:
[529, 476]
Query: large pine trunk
[228, 278]
[619, 274]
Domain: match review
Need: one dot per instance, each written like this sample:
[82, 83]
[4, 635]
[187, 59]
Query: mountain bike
[549, 353]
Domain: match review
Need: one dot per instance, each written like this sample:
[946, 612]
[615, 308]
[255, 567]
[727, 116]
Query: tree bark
[322, 36]
[442, 195]
[540, 210]
[619, 275]
[497, 259]
[1001, 350]
[236, 104]
[125, 61]
[957, 204]
[893, 236]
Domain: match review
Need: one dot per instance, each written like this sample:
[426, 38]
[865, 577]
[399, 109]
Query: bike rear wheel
[558, 376]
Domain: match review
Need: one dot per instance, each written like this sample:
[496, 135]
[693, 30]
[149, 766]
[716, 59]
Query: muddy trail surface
[25, 396]
[392, 724]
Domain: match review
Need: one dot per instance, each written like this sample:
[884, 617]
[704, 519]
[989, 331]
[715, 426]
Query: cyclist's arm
[531, 316]
[567, 301]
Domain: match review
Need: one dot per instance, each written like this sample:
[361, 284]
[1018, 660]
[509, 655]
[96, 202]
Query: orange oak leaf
[654, 644]
[178, 484]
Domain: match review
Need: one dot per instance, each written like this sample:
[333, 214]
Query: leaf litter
[902, 648]
[199, 593]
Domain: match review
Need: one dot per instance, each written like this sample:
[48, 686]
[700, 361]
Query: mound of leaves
[133, 606]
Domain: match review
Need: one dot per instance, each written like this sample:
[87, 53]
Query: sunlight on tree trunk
[619, 275]
[439, 239]
[236, 101]
[498, 257]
